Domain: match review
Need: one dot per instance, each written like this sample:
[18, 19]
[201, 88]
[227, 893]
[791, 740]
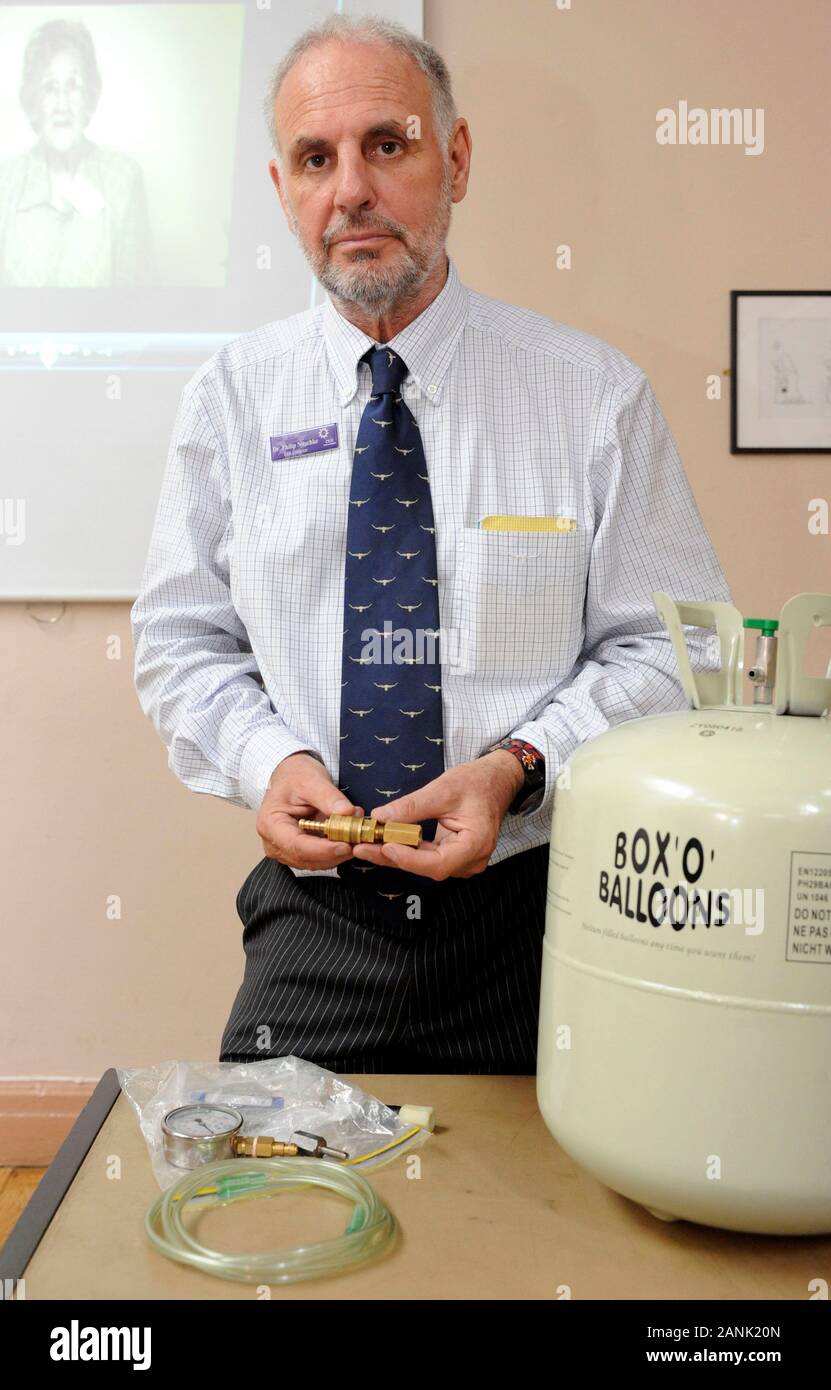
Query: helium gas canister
[684, 1053]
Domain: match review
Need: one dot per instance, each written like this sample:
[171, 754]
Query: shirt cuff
[267, 747]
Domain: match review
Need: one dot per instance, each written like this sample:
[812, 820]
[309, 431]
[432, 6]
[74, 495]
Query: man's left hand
[469, 802]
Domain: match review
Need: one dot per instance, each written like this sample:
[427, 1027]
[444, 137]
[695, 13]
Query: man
[325, 493]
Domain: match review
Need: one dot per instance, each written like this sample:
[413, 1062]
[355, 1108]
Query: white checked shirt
[239, 622]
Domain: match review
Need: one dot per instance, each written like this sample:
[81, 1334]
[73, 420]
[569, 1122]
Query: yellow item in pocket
[528, 523]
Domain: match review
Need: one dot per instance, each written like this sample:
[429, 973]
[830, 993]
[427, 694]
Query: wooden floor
[16, 1187]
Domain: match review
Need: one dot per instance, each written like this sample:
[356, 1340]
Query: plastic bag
[275, 1096]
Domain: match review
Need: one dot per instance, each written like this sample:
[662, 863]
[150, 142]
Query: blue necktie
[391, 733]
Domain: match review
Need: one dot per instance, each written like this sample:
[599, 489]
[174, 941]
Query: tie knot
[388, 369]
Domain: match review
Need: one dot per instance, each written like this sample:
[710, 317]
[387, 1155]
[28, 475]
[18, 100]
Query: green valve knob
[767, 625]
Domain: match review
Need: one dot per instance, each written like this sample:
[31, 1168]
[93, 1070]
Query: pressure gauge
[200, 1133]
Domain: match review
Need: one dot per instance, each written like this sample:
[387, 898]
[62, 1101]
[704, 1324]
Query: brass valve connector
[364, 830]
[263, 1146]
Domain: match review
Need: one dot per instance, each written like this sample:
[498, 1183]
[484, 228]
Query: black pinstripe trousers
[340, 976]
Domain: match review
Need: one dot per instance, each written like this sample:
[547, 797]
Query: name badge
[302, 442]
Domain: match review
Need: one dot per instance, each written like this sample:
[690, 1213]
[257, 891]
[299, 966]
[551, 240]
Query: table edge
[36, 1216]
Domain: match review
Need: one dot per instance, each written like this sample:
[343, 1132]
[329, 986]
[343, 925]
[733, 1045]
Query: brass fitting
[364, 830]
[263, 1146]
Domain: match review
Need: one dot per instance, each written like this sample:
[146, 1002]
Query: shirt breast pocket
[519, 603]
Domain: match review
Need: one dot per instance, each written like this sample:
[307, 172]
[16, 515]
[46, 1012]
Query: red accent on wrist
[525, 753]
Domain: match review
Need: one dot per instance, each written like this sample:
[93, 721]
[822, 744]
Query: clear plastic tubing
[369, 1232]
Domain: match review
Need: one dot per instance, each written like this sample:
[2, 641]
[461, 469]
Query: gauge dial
[202, 1121]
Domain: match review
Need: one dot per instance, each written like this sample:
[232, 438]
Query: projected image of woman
[73, 213]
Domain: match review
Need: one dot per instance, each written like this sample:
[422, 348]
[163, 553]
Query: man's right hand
[301, 786]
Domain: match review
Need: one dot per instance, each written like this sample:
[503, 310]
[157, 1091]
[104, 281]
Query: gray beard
[380, 287]
[375, 286]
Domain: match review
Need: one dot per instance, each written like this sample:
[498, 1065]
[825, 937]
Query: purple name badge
[302, 442]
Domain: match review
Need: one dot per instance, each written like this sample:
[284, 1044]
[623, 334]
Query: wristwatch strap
[532, 762]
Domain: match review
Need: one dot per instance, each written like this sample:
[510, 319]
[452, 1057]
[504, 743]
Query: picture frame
[780, 371]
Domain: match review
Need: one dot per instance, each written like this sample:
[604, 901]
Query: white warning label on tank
[809, 907]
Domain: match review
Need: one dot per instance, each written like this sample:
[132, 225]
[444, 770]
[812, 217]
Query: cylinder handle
[705, 689]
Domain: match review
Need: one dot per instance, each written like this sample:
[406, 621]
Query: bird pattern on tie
[391, 730]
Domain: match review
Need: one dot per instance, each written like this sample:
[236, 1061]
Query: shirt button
[432, 389]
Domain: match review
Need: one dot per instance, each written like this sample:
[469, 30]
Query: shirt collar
[426, 345]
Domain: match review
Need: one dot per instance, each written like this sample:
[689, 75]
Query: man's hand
[469, 802]
[301, 786]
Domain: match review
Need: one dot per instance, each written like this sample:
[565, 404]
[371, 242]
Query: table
[499, 1211]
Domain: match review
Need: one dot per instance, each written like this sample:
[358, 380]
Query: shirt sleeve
[195, 673]
[649, 535]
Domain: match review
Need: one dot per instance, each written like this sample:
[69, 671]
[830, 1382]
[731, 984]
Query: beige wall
[562, 107]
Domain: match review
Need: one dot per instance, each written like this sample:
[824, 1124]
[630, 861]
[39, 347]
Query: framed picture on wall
[780, 380]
